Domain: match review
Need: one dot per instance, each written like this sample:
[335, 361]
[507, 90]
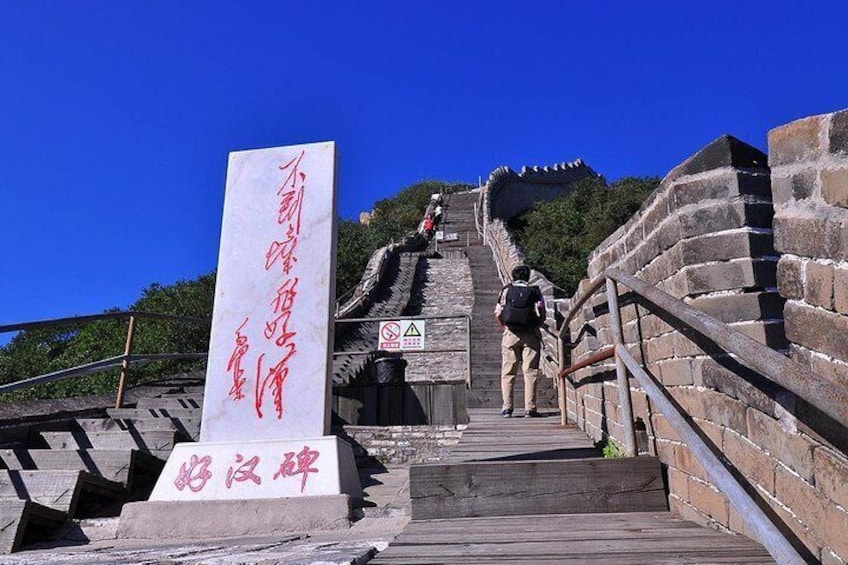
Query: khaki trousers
[520, 349]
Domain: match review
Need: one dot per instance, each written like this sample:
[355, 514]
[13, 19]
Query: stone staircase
[56, 474]
[392, 299]
[486, 332]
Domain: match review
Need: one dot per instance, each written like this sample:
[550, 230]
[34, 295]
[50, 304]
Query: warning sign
[402, 335]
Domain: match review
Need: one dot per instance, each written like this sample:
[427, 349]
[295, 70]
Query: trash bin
[390, 370]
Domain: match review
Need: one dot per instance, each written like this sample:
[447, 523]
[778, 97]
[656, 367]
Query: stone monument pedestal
[225, 489]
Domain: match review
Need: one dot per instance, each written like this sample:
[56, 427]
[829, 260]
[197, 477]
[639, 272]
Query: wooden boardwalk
[490, 437]
[490, 531]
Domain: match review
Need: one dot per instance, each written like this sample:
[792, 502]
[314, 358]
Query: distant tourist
[520, 310]
[437, 214]
[429, 226]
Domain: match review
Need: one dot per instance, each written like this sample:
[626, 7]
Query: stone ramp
[622, 538]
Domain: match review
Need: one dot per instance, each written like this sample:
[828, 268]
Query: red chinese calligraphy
[194, 474]
[300, 464]
[271, 379]
[234, 365]
[244, 472]
[282, 250]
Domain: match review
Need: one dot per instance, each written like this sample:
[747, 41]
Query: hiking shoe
[507, 413]
[532, 414]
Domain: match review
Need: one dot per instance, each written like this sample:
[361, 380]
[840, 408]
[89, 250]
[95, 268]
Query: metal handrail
[124, 361]
[781, 370]
[94, 317]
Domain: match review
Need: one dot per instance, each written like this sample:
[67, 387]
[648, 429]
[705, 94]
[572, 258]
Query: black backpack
[519, 309]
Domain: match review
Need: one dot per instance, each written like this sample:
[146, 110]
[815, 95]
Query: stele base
[273, 478]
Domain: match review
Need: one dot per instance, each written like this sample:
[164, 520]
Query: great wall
[738, 246]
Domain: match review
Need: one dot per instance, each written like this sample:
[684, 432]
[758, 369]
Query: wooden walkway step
[151, 441]
[78, 493]
[623, 539]
[135, 469]
[24, 521]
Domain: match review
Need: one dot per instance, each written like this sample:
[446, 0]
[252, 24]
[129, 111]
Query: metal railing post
[621, 371]
[468, 350]
[125, 364]
[563, 398]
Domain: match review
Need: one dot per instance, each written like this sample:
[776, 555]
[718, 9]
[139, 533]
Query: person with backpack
[521, 311]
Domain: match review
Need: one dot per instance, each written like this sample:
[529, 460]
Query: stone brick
[807, 537]
[675, 372]
[667, 234]
[790, 279]
[796, 141]
[770, 334]
[686, 462]
[678, 483]
[793, 450]
[834, 186]
[817, 330]
[754, 184]
[838, 134]
[710, 501]
[731, 275]
[715, 247]
[835, 526]
[818, 286]
[741, 383]
[753, 462]
[831, 470]
[802, 499]
[798, 186]
[743, 307]
[726, 151]
[687, 191]
[713, 432]
[662, 429]
[712, 406]
[808, 235]
[840, 290]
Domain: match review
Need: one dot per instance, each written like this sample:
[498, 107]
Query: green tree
[558, 236]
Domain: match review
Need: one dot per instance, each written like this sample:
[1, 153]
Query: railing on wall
[124, 361]
[781, 370]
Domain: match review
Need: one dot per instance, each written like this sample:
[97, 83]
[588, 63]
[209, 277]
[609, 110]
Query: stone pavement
[384, 516]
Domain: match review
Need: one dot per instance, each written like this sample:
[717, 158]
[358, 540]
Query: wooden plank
[155, 440]
[124, 466]
[23, 521]
[633, 538]
[535, 487]
[176, 402]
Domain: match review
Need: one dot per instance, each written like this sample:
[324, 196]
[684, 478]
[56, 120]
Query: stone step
[135, 469]
[157, 440]
[511, 488]
[80, 494]
[23, 522]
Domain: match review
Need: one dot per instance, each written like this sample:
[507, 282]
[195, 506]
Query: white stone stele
[273, 307]
[226, 470]
[274, 198]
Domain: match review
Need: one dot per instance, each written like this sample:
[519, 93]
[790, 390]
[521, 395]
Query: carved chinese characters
[269, 354]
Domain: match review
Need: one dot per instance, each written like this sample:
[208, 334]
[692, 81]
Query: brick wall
[395, 445]
[809, 164]
[711, 236]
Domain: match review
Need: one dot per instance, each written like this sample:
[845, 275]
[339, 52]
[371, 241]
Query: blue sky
[116, 117]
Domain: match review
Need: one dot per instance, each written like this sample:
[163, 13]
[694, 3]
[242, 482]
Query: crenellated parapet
[508, 194]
